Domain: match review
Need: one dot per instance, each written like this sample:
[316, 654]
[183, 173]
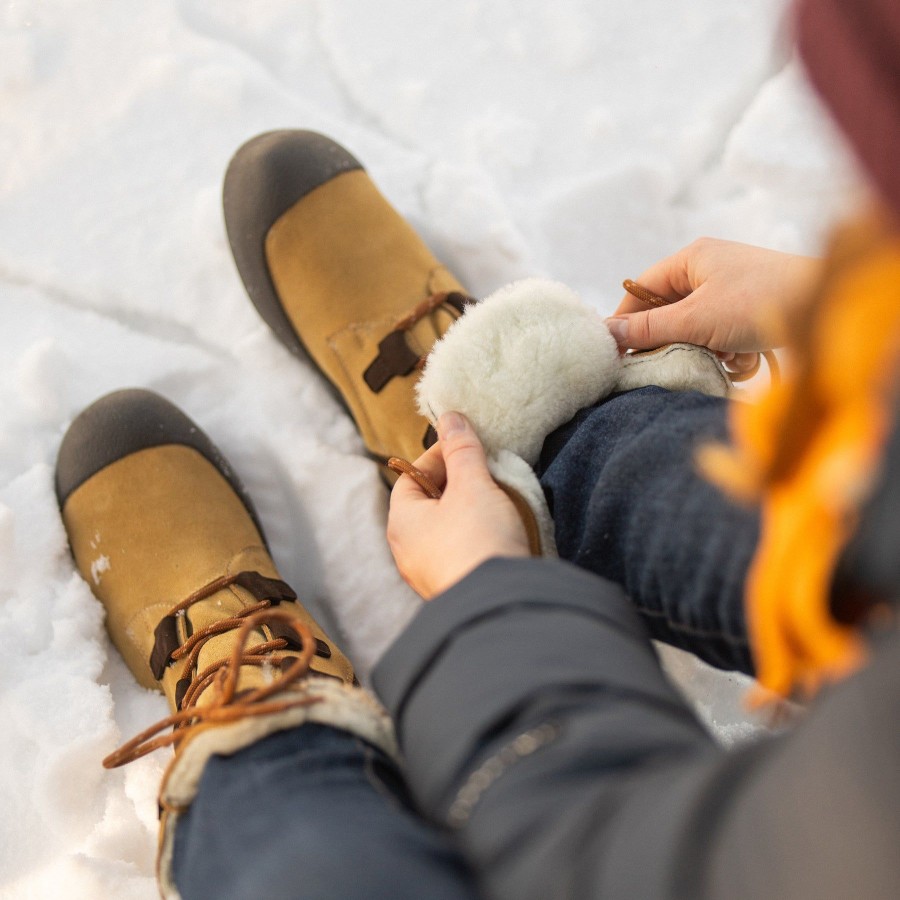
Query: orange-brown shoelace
[227, 706]
[403, 467]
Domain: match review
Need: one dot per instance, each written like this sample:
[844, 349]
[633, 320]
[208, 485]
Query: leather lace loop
[395, 356]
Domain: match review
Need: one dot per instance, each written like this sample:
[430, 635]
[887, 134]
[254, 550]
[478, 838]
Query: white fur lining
[342, 706]
[678, 367]
[523, 361]
[513, 471]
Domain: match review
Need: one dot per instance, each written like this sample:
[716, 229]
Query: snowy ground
[581, 139]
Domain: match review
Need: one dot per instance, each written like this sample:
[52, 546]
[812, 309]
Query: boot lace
[227, 705]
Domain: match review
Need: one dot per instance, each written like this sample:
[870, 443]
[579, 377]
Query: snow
[580, 140]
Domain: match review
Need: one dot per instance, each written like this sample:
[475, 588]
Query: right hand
[730, 297]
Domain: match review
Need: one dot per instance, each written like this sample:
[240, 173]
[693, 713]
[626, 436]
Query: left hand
[733, 298]
[437, 542]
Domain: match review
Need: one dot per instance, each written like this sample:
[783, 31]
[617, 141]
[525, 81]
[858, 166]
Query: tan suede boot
[341, 278]
[162, 531]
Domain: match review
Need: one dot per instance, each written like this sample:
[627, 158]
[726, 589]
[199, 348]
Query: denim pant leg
[629, 505]
[311, 812]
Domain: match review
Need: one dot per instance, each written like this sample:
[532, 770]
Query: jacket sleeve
[538, 727]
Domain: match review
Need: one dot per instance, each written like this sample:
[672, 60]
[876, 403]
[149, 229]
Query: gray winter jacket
[538, 726]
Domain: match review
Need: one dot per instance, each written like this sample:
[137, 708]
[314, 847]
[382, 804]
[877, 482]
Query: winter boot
[340, 277]
[162, 531]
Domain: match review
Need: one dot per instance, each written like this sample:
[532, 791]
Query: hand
[732, 298]
[437, 542]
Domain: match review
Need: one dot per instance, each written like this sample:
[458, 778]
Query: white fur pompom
[520, 364]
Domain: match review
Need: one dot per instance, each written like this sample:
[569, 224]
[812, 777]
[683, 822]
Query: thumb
[651, 328]
[462, 451]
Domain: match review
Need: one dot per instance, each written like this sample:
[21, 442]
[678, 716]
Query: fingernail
[450, 423]
[744, 362]
[618, 328]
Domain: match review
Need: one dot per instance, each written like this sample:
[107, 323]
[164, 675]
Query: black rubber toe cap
[126, 422]
[265, 178]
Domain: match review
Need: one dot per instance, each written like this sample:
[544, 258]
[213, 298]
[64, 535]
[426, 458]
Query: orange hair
[809, 453]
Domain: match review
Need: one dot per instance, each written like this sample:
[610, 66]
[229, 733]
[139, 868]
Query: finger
[462, 451]
[431, 463]
[652, 328]
[668, 279]
[743, 362]
[632, 304]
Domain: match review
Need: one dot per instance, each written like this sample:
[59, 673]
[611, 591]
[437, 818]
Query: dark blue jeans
[316, 813]
[629, 504]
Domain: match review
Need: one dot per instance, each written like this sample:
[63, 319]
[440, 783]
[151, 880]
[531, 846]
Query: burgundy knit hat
[852, 53]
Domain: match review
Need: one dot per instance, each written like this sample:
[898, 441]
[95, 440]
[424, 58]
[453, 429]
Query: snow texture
[580, 140]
